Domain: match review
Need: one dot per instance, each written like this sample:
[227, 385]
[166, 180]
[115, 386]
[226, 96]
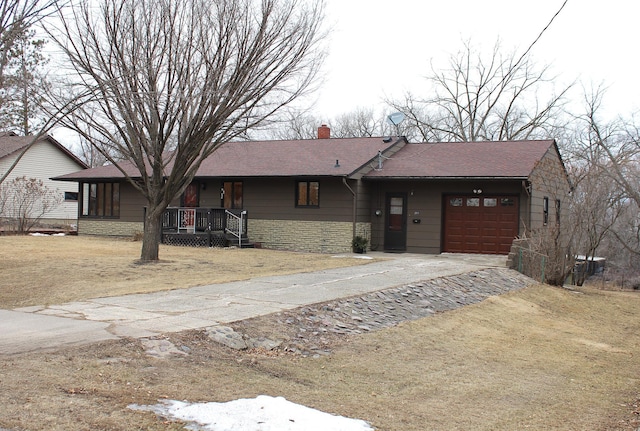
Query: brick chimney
[324, 132]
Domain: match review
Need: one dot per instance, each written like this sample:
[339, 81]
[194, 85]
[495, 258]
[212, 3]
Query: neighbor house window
[101, 199]
[308, 194]
[545, 210]
[232, 195]
[71, 196]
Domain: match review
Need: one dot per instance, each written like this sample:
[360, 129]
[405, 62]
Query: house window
[545, 210]
[232, 195]
[558, 211]
[71, 196]
[100, 200]
[308, 194]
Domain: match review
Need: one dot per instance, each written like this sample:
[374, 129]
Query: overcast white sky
[381, 48]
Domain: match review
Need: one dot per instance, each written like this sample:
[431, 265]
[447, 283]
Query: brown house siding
[424, 204]
[274, 199]
[131, 204]
[548, 179]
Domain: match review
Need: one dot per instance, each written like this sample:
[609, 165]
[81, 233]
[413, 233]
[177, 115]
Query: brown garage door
[480, 224]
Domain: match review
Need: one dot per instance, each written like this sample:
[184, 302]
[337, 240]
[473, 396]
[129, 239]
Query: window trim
[308, 193]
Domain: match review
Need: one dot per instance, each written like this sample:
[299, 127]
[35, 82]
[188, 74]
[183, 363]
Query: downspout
[355, 205]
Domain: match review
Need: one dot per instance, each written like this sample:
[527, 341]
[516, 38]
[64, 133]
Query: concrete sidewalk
[147, 315]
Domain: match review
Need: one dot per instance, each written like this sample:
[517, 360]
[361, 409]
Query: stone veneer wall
[311, 236]
[108, 227]
[295, 235]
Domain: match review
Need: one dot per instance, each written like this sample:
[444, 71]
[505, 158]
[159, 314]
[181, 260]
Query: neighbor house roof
[309, 157]
[11, 144]
[499, 159]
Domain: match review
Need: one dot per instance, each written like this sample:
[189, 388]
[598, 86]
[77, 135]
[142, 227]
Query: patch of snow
[263, 413]
[353, 256]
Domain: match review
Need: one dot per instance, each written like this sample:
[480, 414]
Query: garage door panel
[480, 225]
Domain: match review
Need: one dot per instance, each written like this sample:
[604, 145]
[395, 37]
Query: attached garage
[479, 224]
[466, 197]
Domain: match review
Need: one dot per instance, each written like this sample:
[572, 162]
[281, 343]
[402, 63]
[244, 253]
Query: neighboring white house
[46, 159]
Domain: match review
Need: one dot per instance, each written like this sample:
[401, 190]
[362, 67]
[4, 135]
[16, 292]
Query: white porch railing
[235, 225]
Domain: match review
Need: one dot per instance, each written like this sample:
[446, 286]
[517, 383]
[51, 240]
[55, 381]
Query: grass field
[542, 358]
[53, 270]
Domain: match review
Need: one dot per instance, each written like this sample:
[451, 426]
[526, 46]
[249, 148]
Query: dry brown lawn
[53, 270]
[542, 358]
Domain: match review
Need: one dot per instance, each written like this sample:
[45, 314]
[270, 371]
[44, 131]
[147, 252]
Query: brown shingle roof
[310, 157]
[317, 157]
[503, 159]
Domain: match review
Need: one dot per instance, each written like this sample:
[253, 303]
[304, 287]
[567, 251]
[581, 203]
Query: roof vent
[386, 139]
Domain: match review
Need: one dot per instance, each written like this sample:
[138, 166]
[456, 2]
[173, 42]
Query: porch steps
[244, 242]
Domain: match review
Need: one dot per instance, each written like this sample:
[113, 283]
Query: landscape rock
[228, 337]
[386, 308]
[161, 348]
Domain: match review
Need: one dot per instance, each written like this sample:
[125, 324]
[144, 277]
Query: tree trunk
[151, 235]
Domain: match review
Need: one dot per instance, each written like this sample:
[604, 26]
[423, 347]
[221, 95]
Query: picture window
[100, 200]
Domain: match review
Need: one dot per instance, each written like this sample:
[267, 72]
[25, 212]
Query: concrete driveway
[147, 315]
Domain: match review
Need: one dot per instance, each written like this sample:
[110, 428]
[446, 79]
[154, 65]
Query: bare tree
[612, 150]
[361, 122]
[88, 153]
[172, 81]
[493, 97]
[293, 125]
[23, 202]
[480, 97]
[25, 85]
[16, 17]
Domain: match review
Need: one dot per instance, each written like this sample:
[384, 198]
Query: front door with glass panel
[395, 232]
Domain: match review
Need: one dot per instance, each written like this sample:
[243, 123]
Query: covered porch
[205, 227]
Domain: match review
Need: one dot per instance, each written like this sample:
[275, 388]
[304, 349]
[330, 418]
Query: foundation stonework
[310, 236]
